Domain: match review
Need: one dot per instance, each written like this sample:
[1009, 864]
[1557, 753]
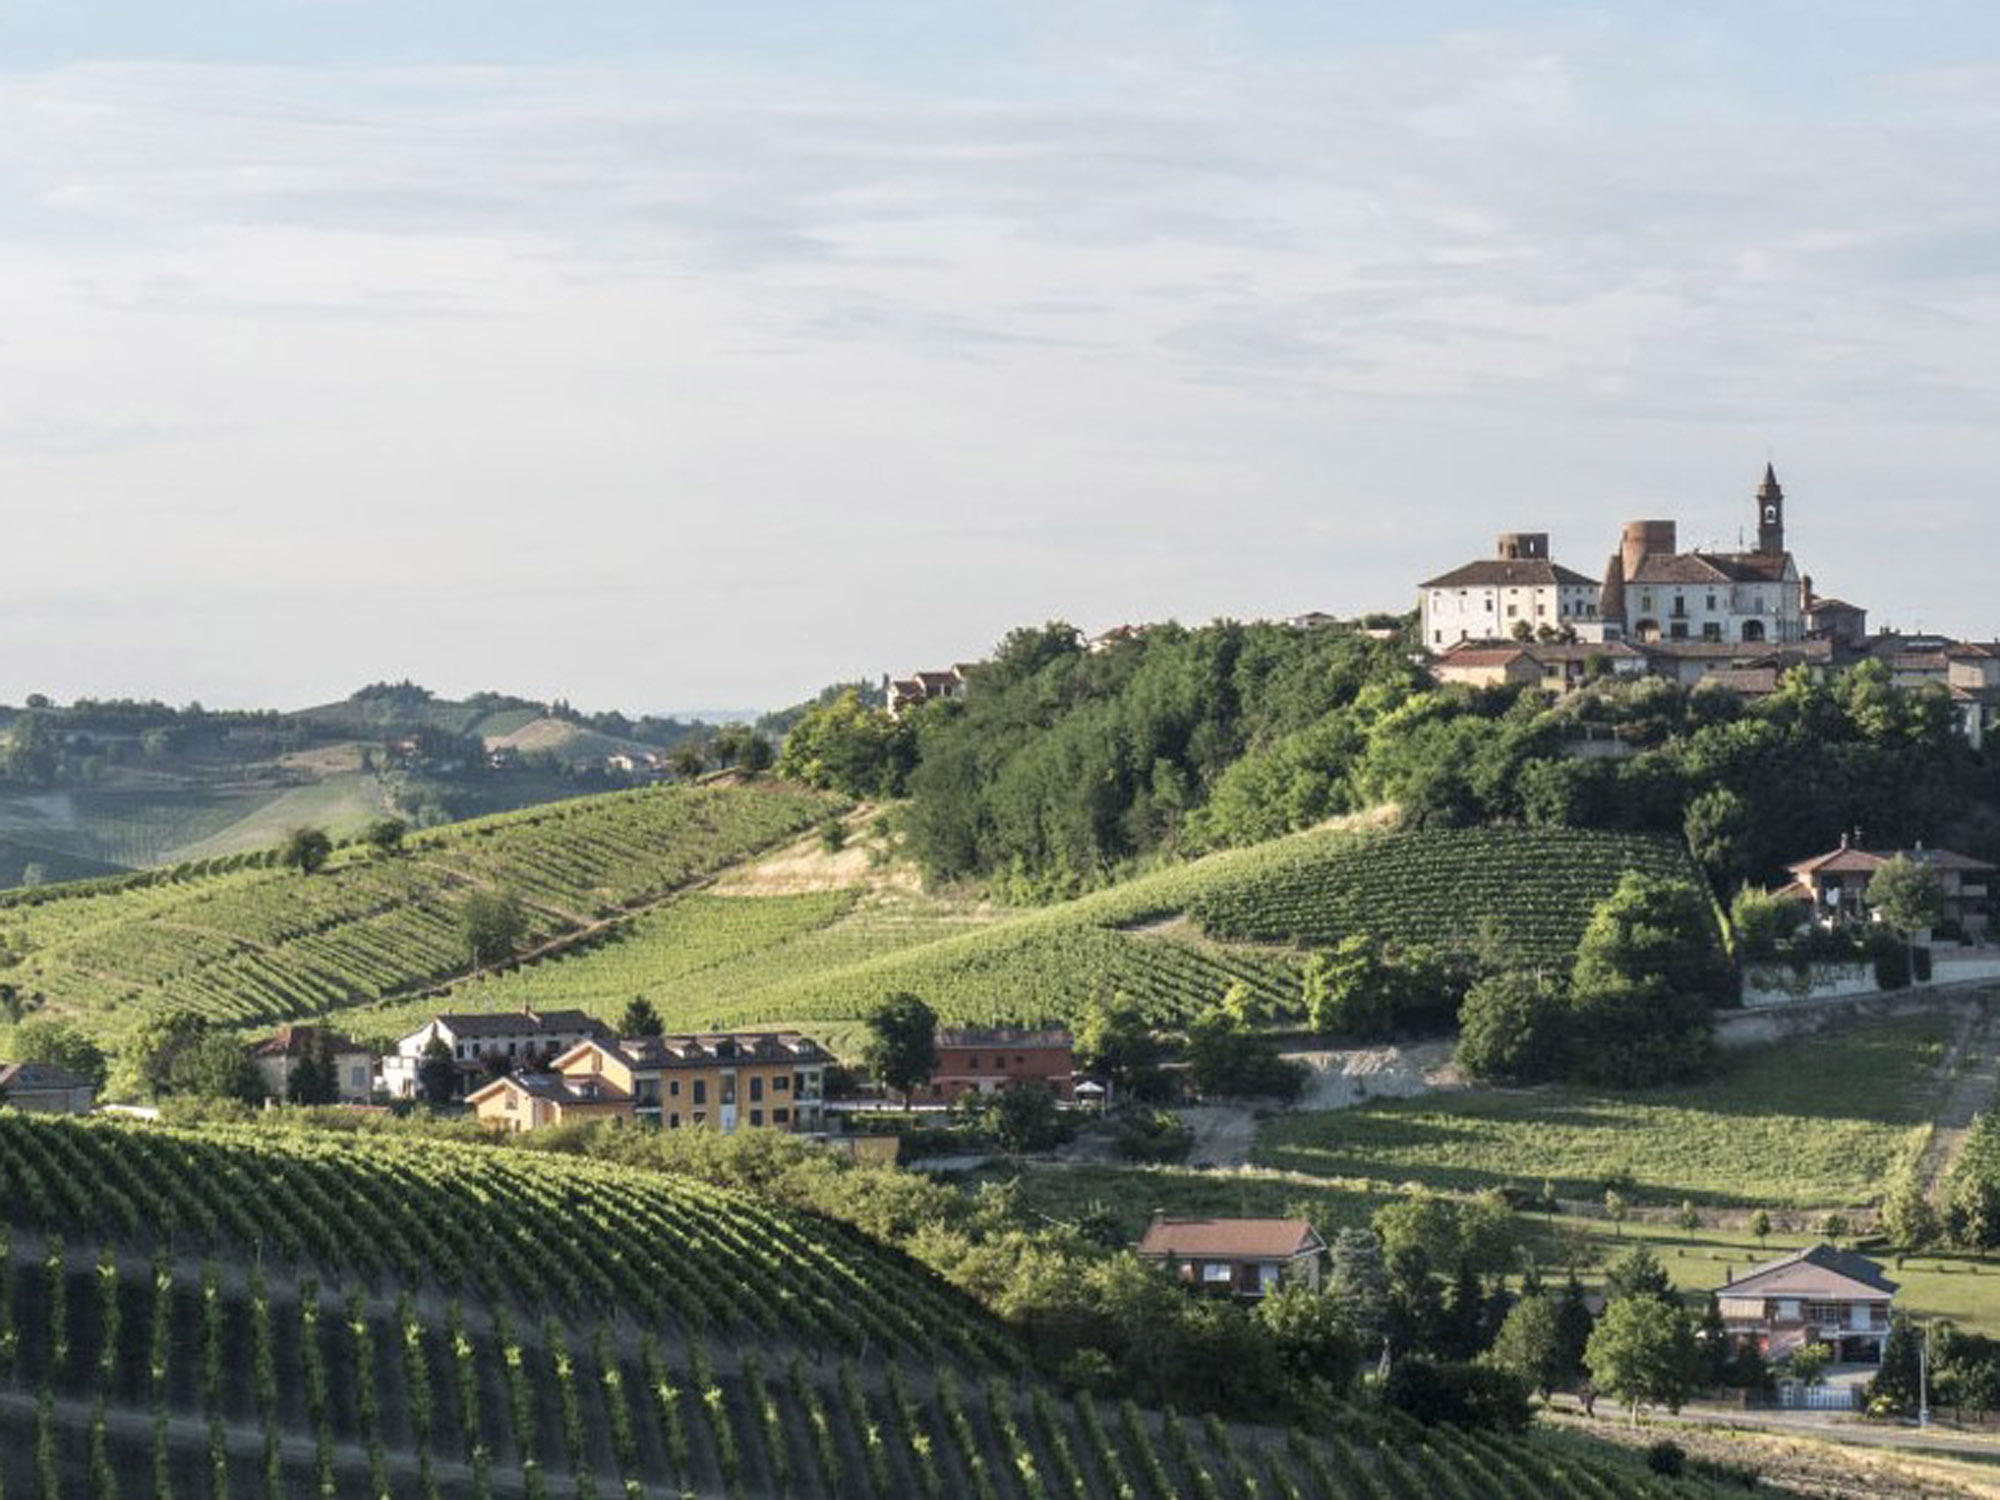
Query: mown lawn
[1809, 1123]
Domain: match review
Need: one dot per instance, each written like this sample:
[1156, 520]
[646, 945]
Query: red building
[973, 1060]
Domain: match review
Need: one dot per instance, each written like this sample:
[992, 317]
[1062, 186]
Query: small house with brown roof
[1235, 1257]
[1817, 1296]
[278, 1054]
[1835, 884]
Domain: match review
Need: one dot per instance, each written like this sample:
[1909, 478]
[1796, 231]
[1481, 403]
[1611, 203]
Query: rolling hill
[192, 1312]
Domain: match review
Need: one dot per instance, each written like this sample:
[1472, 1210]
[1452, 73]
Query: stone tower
[1770, 514]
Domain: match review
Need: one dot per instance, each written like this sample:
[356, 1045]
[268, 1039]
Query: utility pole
[1924, 1379]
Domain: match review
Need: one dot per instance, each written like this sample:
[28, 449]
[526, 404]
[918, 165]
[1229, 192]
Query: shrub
[1510, 1028]
[1151, 1135]
[1667, 1459]
[1440, 1392]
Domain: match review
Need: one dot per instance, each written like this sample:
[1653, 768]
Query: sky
[661, 355]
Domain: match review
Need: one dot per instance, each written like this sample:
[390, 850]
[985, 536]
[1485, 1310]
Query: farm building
[983, 1060]
[1817, 1296]
[1238, 1257]
[45, 1089]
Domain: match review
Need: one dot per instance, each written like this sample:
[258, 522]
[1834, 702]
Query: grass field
[1817, 1122]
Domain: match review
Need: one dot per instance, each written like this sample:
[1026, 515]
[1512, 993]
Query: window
[674, 1087]
[512, 1103]
[1711, 630]
[1711, 601]
[781, 1116]
[1513, 610]
[700, 1092]
[756, 1117]
[1679, 630]
[756, 1089]
[700, 1117]
[728, 1088]
[1215, 1271]
[973, 1062]
[1020, 1061]
[780, 1084]
[674, 1120]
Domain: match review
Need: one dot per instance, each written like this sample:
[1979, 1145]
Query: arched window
[1753, 630]
[1647, 630]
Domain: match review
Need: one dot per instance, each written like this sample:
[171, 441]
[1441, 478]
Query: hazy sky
[670, 355]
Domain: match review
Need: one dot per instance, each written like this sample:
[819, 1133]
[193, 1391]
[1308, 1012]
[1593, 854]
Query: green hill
[251, 946]
[244, 1312]
[1174, 941]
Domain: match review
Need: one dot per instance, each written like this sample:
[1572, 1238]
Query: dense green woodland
[1061, 768]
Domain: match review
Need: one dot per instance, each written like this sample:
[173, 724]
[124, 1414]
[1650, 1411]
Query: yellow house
[725, 1081]
[528, 1101]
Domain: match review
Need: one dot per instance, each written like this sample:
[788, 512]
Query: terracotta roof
[1973, 651]
[1821, 1271]
[553, 1087]
[1850, 861]
[1750, 681]
[1229, 1239]
[296, 1041]
[1712, 567]
[1500, 572]
[1482, 656]
[1003, 1036]
[1547, 651]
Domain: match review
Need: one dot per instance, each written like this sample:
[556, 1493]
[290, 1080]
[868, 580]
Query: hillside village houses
[278, 1054]
[44, 1088]
[985, 1060]
[1835, 885]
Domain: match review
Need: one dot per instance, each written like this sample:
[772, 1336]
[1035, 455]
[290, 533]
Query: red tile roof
[1500, 572]
[1229, 1239]
[1821, 1272]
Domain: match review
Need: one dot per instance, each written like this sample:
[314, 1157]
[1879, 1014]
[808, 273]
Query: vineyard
[255, 946]
[1173, 941]
[228, 1313]
[1531, 889]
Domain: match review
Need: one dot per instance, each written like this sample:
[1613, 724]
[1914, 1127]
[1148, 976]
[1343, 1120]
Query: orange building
[976, 1060]
[528, 1101]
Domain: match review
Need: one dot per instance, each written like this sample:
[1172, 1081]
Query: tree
[901, 1050]
[1763, 921]
[1638, 1273]
[1616, 1209]
[1715, 828]
[1907, 898]
[314, 1078]
[65, 1044]
[385, 835]
[1643, 1352]
[1760, 1225]
[1114, 1040]
[1357, 1281]
[849, 747]
[1227, 1057]
[1313, 1338]
[1025, 1118]
[306, 850]
[1907, 1216]
[1690, 1216]
[689, 762]
[640, 1018]
[1808, 1363]
[179, 1052]
[1573, 1326]
[1835, 1227]
[437, 1072]
[1530, 1343]
[1510, 1029]
[1648, 934]
[492, 923]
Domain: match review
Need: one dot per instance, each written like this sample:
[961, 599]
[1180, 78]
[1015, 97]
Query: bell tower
[1770, 514]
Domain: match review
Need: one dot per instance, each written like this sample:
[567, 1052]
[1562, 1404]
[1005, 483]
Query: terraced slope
[157, 1338]
[252, 947]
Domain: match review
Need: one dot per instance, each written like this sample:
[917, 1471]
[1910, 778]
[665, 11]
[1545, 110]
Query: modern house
[1235, 1257]
[45, 1089]
[726, 1082]
[1817, 1296]
[920, 688]
[984, 1060]
[486, 1044]
[1835, 884]
[284, 1049]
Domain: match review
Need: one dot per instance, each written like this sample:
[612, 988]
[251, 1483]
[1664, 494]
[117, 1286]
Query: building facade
[1496, 598]
[278, 1054]
[484, 1045]
[1817, 1296]
[1235, 1257]
[984, 1060]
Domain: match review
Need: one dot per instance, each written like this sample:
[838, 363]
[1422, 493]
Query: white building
[1491, 599]
[485, 1044]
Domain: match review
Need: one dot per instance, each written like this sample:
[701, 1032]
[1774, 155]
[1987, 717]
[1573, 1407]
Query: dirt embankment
[1224, 1133]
